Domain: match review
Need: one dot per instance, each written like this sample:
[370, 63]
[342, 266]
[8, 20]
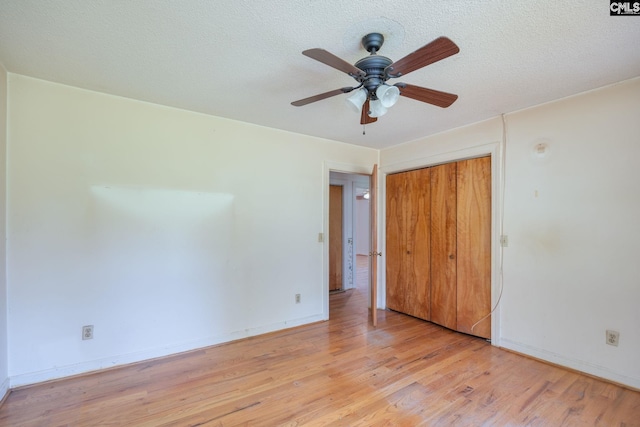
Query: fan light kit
[373, 96]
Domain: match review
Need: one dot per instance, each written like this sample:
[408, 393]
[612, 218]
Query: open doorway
[349, 232]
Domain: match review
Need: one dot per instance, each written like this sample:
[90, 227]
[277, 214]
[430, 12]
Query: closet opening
[438, 244]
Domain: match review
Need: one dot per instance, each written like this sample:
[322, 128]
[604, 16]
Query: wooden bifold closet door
[444, 245]
[408, 243]
[439, 244]
[474, 246]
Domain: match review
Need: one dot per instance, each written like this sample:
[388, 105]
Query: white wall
[571, 213]
[573, 219]
[170, 230]
[165, 229]
[4, 373]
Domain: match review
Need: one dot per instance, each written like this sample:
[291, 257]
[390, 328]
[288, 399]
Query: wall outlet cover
[87, 332]
[613, 337]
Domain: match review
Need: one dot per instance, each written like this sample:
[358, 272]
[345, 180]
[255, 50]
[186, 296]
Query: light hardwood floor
[405, 372]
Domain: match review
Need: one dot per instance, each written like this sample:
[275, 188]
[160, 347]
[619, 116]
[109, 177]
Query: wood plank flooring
[405, 372]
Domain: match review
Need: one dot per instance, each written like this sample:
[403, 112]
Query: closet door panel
[443, 245]
[395, 241]
[474, 246]
[418, 207]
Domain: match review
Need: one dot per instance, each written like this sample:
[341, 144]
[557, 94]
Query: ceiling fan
[373, 96]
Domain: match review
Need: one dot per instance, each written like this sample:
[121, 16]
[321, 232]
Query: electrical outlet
[613, 337]
[87, 332]
[504, 241]
[297, 298]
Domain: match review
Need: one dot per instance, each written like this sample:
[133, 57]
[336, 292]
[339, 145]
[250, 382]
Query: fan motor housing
[373, 66]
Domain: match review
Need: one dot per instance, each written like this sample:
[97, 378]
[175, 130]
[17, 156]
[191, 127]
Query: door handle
[375, 253]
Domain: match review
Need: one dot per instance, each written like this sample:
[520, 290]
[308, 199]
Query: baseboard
[125, 359]
[575, 364]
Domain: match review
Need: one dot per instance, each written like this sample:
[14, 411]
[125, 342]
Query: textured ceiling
[242, 59]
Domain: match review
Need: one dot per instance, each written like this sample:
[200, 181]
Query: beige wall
[165, 229]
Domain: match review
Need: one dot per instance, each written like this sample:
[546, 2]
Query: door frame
[496, 151]
[347, 168]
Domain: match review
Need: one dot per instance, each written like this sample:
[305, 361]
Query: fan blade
[331, 60]
[364, 118]
[430, 96]
[435, 51]
[309, 100]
